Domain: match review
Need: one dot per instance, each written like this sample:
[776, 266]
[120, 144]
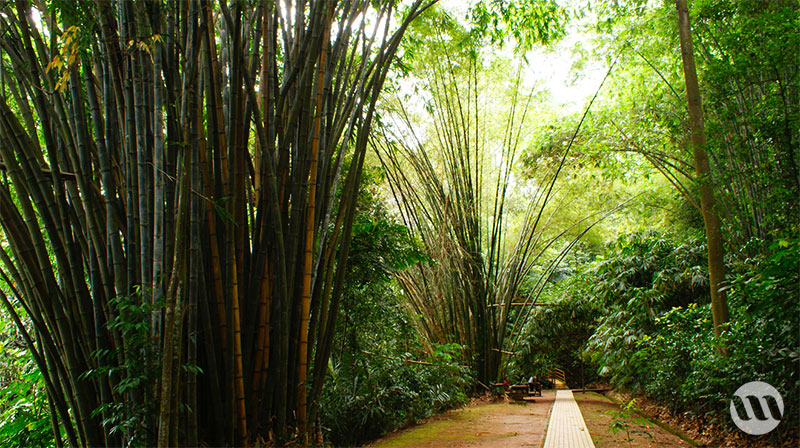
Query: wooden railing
[557, 375]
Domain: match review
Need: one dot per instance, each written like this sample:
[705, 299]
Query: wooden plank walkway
[566, 428]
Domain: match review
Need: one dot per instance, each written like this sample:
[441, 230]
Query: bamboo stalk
[99, 210]
[303, 355]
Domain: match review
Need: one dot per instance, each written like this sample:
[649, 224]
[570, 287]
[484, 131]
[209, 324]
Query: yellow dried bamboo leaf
[54, 64]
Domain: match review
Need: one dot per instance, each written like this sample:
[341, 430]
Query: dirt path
[485, 424]
[595, 410]
[501, 424]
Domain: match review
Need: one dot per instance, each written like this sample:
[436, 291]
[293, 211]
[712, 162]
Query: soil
[597, 413]
[496, 424]
[712, 434]
[484, 423]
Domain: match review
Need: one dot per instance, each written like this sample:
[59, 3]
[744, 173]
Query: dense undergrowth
[651, 330]
[368, 396]
[24, 417]
[382, 374]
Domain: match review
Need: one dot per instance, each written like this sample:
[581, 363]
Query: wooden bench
[535, 387]
[518, 391]
[523, 391]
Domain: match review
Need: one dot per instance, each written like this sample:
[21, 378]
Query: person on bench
[534, 386]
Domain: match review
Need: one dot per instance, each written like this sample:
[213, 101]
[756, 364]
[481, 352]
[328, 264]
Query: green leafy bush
[368, 395]
[646, 276]
[657, 338]
[24, 417]
[555, 335]
[381, 374]
[137, 375]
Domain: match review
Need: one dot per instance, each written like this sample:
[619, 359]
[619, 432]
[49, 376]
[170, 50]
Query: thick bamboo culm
[183, 158]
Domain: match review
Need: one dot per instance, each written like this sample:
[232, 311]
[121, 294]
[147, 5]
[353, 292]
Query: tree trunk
[716, 251]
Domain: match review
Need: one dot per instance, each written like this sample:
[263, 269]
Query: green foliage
[751, 53]
[452, 41]
[647, 275]
[621, 420]
[137, 375]
[763, 334]
[380, 247]
[656, 337]
[524, 23]
[382, 375]
[369, 395]
[747, 54]
[606, 165]
[527, 22]
[24, 418]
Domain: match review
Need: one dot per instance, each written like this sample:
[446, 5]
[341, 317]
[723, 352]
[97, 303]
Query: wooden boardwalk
[566, 428]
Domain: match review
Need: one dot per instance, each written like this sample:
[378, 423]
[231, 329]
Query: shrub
[382, 376]
[657, 338]
[24, 417]
[368, 395]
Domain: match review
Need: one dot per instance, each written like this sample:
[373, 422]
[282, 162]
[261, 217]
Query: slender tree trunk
[716, 251]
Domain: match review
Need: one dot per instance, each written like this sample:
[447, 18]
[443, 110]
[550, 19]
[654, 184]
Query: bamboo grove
[177, 199]
[452, 184]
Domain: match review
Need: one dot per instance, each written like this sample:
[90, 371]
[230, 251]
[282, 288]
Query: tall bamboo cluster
[200, 159]
[753, 116]
[451, 184]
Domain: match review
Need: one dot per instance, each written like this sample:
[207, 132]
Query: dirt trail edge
[598, 414]
[482, 423]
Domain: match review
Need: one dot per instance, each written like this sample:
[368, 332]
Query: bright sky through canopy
[551, 67]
